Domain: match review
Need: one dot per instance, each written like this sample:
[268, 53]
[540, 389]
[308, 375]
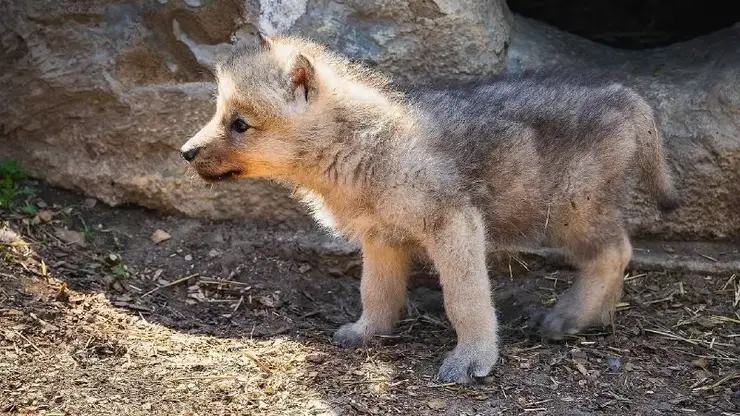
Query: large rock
[97, 96]
[695, 88]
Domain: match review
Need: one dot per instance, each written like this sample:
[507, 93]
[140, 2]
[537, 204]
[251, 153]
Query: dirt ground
[235, 318]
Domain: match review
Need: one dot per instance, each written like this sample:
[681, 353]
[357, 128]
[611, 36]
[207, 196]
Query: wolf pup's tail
[654, 170]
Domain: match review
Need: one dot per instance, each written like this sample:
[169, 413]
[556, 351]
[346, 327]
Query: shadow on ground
[236, 318]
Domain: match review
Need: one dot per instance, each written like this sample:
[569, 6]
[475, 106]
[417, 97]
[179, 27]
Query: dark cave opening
[632, 24]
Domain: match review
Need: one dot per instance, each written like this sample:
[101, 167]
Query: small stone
[214, 253]
[614, 364]
[9, 236]
[304, 268]
[160, 235]
[577, 353]
[224, 386]
[147, 406]
[735, 398]
[436, 404]
[90, 203]
[188, 257]
[70, 236]
[267, 301]
[700, 363]
[629, 367]
[45, 216]
[41, 204]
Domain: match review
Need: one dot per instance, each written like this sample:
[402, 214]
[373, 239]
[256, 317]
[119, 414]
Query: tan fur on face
[444, 172]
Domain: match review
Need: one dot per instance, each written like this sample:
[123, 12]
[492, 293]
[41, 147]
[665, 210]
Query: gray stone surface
[97, 96]
[695, 88]
[414, 40]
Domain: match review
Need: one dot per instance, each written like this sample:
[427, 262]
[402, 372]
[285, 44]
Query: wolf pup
[443, 173]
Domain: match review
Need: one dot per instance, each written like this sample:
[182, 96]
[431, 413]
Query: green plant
[29, 209]
[10, 173]
[119, 270]
[11, 191]
[10, 169]
[87, 232]
[116, 265]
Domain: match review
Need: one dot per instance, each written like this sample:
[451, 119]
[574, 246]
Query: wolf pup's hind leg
[599, 247]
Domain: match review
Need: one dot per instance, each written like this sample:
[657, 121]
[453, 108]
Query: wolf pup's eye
[239, 125]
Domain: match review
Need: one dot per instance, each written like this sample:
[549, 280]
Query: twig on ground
[30, 343]
[354, 382]
[637, 276]
[687, 340]
[222, 282]
[238, 304]
[708, 257]
[699, 382]
[178, 281]
[715, 357]
[730, 280]
[202, 378]
[665, 299]
[718, 383]
[257, 361]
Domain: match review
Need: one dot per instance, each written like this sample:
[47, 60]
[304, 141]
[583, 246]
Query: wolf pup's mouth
[232, 174]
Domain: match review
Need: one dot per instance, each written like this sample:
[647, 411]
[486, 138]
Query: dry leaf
[159, 236]
[62, 294]
[45, 216]
[70, 236]
[316, 358]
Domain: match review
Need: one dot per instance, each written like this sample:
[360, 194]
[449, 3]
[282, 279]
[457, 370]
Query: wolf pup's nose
[189, 155]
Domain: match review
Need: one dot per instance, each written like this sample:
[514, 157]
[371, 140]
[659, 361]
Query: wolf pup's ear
[302, 76]
[264, 40]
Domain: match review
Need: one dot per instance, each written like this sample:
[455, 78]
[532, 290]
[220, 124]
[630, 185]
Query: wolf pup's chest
[351, 221]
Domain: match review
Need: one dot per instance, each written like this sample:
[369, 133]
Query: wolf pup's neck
[356, 142]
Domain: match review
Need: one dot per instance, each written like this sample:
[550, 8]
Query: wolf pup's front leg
[385, 271]
[457, 249]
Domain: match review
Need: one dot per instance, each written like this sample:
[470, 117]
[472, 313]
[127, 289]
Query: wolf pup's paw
[348, 336]
[463, 364]
[556, 323]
